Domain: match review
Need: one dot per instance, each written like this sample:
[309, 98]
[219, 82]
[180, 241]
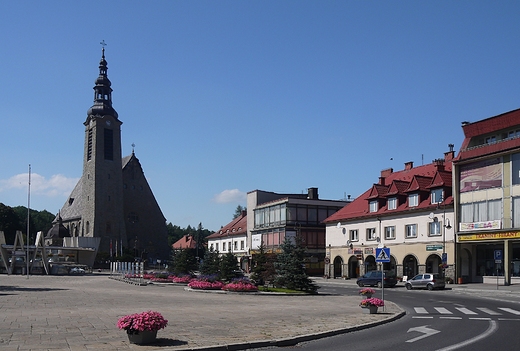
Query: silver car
[428, 281]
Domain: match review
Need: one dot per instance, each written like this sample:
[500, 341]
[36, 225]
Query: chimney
[312, 193]
[408, 166]
[385, 173]
[439, 164]
[244, 213]
[450, 155]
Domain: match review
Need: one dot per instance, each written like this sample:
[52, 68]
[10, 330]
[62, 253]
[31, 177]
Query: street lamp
[445, 225]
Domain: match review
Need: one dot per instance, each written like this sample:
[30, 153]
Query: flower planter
[369, 309]
[142, 338]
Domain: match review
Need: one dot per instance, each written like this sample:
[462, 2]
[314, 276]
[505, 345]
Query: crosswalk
[430, 312]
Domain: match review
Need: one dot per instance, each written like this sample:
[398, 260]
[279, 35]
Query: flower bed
[138, 322]
[240, 285]
[373, 301]
[185, 279]
[367, 291]
[205, 285]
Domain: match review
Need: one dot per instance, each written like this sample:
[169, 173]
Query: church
[113, 200]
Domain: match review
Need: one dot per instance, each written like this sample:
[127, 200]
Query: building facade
[112, 200]
[272, 217]
[408, 211]
[232, 238]
[487, 203]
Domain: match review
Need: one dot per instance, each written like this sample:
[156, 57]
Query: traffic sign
[383, 254]
[445, 257]
[498, 256]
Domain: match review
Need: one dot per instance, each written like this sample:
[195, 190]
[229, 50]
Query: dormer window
[392, 203]
[413, 200]
[373, 206]
[436, 196]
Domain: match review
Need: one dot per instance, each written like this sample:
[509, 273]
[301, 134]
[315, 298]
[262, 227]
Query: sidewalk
[80, 313]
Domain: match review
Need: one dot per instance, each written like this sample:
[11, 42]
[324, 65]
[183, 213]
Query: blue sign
[383, 254]
[498, 256]
[445, 257]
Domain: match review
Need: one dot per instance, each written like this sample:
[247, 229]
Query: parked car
[428, 281]
[77, 270]
[375, 278]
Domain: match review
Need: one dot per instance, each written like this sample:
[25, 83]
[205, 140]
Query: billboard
[481, 175]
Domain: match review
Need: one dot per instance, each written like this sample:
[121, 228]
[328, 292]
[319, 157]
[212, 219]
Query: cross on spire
[103, 44]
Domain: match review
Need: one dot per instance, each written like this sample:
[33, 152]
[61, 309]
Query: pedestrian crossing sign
[383, 254]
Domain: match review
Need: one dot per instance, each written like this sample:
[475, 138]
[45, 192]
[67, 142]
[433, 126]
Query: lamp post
[445, 225]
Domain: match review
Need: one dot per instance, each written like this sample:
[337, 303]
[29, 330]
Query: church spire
[102, 90]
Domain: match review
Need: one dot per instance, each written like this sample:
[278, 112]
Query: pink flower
[138, 322]
[240, 286]
[205, 285]
[373, 301]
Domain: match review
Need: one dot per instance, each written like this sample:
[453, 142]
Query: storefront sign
[489, 236]
[369, 250]
[464, 227]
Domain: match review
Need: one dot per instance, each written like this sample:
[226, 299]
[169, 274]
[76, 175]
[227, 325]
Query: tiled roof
[419, 183]
[441, 179]
[237, 226]
[398, 187]
[488, 126]
[378, 191]
[418, 179]
[186, 242]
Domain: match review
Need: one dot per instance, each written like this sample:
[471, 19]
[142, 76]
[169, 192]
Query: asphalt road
[436, 320]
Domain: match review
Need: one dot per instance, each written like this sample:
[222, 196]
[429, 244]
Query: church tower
[101, 182]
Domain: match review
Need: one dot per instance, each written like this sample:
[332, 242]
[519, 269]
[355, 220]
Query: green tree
[290, 268]
[9, 223]
[228, 267]
[39, 221]
[211, 263]
[263, 267]
[183, 262]
[238, 211]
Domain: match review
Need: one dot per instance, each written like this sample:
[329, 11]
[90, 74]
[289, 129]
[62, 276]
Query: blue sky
[225, 97]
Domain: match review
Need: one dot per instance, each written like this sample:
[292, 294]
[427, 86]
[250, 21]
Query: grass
[282, 290]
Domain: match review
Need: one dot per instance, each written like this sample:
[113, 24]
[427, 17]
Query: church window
[109, 144]
[88, 227]
[71, 200]
[89, 145]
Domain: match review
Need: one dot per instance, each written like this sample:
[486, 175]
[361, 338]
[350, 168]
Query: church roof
[72, 208]
[102, 92]
[58, 230]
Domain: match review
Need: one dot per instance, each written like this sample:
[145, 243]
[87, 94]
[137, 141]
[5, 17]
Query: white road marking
[493, 326]
[488, 311]
[443, 310]
[425, 330]
[510, 310]
[465, 310]
[421, 310]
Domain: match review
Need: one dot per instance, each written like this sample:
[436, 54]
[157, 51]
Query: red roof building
[486, 175]
[186, 242]
[407, 211]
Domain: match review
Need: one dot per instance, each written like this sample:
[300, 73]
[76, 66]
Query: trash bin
[460, 280]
